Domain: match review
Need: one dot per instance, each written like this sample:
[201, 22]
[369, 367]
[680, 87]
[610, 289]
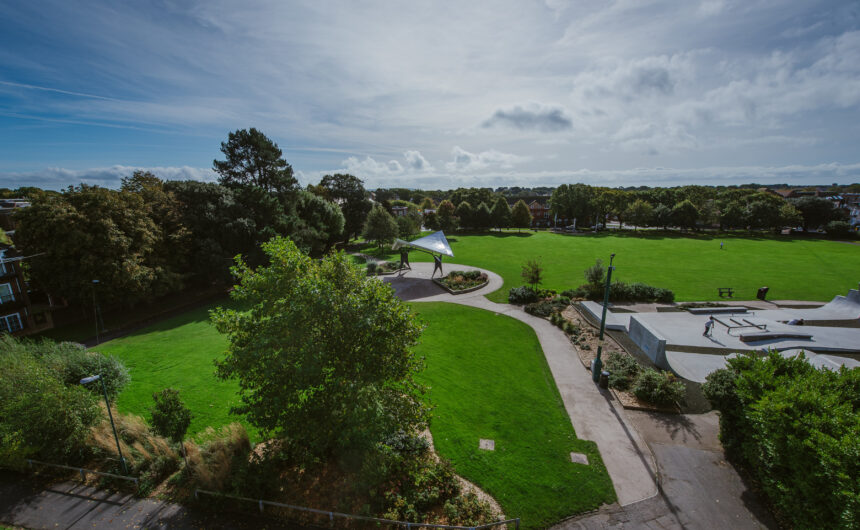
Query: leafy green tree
[445, 215]
[380, 226]
[734, 215]
[252, 159]
[521, 217]
[790, 216]
[91, 233]
[483, 217]
[574, 201]
[532, 273]
[764, 215]
[473, 196]
[466, 214]
[406, 226]
[348, 192]
[426, 204]
[639, 213]
[685, 214]
[431, 221]
[501, 213]
[662, 216]
[169, 416]
[323, 356]
[816, 212]
[320, 224]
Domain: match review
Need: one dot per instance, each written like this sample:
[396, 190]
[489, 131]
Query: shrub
[170, 416]
[838, 229]
[461, 280]
[371, 268]
[468, 510]
[545, 308]
[579, 292]
[623, 370]
[595, 275]
[570, 328]
[522, 295]
[795, 429]
[40, 416]
[659, 388]
[218, 455]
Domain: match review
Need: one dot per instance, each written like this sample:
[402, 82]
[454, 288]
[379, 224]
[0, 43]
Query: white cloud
[464, 161]
[57, 178]
[533, 116]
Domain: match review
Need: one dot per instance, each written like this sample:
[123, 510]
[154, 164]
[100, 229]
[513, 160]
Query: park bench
[726, 291]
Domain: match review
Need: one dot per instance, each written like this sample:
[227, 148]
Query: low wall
[649, 341]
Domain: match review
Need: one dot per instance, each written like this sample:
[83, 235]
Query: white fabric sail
[434, 243]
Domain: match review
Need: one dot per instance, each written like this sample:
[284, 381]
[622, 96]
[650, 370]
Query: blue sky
[435, 94]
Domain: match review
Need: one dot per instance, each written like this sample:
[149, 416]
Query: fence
[83, 471]
[332, 515]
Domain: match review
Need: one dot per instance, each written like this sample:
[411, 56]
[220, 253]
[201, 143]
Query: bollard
[261, 505]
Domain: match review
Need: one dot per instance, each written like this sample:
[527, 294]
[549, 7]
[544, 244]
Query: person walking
[709, 327]
[721, 245]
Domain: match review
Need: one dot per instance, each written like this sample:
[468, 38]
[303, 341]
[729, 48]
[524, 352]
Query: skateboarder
[709, 327]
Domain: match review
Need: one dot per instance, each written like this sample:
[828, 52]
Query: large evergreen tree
[349, 193]
[252, 159]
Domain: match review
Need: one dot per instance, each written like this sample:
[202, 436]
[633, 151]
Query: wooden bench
[726, 291]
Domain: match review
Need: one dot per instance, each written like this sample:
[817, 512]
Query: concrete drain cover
[487, 445]
[578, 458]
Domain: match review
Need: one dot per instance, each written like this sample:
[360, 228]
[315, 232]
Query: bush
[371, 268]
[795, 429]
[623, 370]
[170, 416]
[639, 292]
[659, 388]
[545, 308]
[522, 295]
[468, 510]
[40, 416]
[838, 229]
[461, 280]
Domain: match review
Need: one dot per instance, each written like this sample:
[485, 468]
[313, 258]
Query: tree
[532, 273]
[323, 355]
[662, 216]
[501, 213]
[466, 214]
[764, 215]
[483, 217]
[446, 218]
[816, 212]
[573, 201]
[427, 204]
[521, 217]
[734, 215]
[169, 416]
[91, 233]
[431, 221]
[252, 159]
[789, 215]
[320, 224]
[406, 226]
[685, 214]
[348, 192]
[380, 226]
[639, 213]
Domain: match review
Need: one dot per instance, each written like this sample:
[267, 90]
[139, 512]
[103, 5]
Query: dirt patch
[586, 342]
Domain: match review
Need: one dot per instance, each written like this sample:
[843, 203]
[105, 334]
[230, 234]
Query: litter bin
[762, 292]
[604, 379]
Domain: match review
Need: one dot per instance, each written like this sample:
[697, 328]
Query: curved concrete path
[592, 410]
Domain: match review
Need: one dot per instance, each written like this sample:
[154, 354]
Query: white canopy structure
[435, 243]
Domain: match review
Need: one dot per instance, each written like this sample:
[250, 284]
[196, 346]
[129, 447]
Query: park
[487, 373]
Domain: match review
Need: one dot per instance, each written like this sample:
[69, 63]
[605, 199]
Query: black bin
[762, 292]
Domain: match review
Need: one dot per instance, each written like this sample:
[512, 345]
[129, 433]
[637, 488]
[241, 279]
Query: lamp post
[96, 311]
[597, 364]
[99, 378]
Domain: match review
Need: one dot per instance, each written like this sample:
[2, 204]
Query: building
[399, 211]
[18, 314]
[7, 208]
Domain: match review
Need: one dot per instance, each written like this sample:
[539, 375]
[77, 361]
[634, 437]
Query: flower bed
[459, 282]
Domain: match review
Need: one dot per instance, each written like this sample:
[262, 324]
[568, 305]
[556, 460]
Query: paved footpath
[592, 410]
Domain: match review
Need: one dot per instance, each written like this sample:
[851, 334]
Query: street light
[87, 380]
[597, 364]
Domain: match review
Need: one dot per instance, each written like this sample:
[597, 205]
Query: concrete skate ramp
[616, 321]
[840, 308]
[649, 340]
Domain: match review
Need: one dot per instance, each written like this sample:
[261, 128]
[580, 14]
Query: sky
[435, 95]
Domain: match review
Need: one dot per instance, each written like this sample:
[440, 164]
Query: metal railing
[332, 515]
[84, 471]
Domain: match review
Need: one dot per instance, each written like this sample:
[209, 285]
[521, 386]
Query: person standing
[721, 245]
[709, 327]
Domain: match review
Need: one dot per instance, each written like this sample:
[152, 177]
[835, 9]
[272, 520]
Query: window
[3, 263]
[6, 293]
[10, 323]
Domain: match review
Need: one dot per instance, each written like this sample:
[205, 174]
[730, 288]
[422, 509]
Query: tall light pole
[99, 378]
[96, 312]
[597, 364]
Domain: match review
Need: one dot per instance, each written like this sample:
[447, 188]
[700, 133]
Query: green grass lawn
[178, 353]
[489, 379]
[691, 266]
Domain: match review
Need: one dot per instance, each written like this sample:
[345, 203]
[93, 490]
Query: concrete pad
[487, 445]
[579, 458]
